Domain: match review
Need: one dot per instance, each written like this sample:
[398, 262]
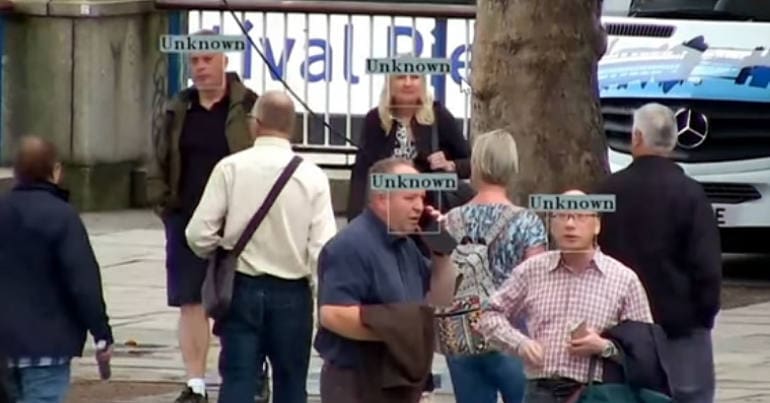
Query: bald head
[574, 192]
[274, 113]
[36, 160]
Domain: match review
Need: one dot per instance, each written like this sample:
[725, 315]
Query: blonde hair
[424, 116]
[494, 158]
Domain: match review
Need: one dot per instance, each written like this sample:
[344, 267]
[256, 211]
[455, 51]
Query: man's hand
[438, 161]
[532, 352]
[588, 345]
[435, 213]
[104, 355]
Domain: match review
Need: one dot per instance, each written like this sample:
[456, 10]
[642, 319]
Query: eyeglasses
[577, 217]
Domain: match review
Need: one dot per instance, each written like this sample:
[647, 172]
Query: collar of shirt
[49, 187]
[272, 141]
[381, 228]
[195, 99]
[598, 261]
[654, 162]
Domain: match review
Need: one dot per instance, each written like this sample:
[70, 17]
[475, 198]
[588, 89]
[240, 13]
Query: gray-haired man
[664, 228]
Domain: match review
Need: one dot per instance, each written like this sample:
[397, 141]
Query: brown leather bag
[217, 290]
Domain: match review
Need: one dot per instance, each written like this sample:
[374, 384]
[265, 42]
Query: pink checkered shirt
[552, 297]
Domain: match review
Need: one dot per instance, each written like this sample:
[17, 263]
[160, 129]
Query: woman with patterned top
[402, 126]
[479, 378]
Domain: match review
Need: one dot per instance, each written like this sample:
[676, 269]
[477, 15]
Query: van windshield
[721, 10]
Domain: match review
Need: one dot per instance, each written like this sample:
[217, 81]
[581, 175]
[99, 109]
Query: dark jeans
[691, 369]
[479, 378]
[339, 385]
[551, 391]
[342, 385]
[268, 317]
[48, 384]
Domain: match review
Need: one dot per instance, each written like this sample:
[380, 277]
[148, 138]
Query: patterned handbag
[455, 325]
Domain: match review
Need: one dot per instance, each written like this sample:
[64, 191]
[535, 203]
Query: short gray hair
[495, 158]
[657, 124]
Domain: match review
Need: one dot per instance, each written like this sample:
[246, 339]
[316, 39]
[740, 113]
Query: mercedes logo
[692, 126]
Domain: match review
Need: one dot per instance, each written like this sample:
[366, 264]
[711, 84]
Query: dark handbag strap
[434, 137]
[266, 205]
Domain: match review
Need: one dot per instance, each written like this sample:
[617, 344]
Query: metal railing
[5, 7]
[320, 48]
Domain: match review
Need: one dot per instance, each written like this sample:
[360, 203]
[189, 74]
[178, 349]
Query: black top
[50, 285]
[364, 265]
[202, 144]
[664, 229]
[375, 145]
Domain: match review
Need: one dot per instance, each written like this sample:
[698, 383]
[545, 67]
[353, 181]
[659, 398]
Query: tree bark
[534, 74]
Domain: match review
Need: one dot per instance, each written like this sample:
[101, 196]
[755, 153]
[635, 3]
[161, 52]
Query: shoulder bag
[616, 392]
[455, 325]
[217, 289]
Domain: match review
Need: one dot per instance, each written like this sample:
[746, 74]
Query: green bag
[618, 392]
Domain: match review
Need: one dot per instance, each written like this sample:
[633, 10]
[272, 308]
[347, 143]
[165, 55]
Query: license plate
[720, 213]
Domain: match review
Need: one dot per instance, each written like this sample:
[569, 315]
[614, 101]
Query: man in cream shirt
[271, 313]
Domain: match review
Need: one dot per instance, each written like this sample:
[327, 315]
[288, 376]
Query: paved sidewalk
[6, 179]
[130, 248]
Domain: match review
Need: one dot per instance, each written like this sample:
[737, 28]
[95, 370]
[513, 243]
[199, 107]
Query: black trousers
[430, 386]
[560, 390]
[5, 396]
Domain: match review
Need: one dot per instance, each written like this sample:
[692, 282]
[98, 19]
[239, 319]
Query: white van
[710, 62]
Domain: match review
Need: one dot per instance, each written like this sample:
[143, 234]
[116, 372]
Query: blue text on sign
[278, 69]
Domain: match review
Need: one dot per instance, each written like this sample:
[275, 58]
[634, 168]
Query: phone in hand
[435, 237]
[580, 330]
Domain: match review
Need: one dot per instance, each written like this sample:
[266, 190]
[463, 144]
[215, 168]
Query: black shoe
[188, 396]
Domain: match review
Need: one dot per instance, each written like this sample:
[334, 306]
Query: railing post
[2, 63]
[177, 25]
[5, 7]
[439, 51]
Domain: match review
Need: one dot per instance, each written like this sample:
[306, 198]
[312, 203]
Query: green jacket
[241, 99]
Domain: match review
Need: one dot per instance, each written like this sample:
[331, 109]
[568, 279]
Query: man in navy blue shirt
[373, 261]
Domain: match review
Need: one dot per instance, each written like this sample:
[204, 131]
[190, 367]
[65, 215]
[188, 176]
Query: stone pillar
[88, 75]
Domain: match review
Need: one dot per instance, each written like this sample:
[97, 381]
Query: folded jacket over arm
[396, 369]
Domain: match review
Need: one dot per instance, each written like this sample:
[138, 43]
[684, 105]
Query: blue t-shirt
[365, 265]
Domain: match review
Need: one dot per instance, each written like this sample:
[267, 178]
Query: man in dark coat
[664, 228]
[50, 285]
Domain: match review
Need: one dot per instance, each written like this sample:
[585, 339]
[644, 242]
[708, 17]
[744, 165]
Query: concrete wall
[84, 74]
[88, 76]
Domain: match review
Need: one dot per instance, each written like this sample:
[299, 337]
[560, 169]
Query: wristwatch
[609, 350]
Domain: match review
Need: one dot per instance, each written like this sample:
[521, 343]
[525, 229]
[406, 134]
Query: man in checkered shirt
[556, 291]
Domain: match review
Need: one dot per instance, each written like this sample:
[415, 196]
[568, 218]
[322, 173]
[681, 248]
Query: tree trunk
[534, 74]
